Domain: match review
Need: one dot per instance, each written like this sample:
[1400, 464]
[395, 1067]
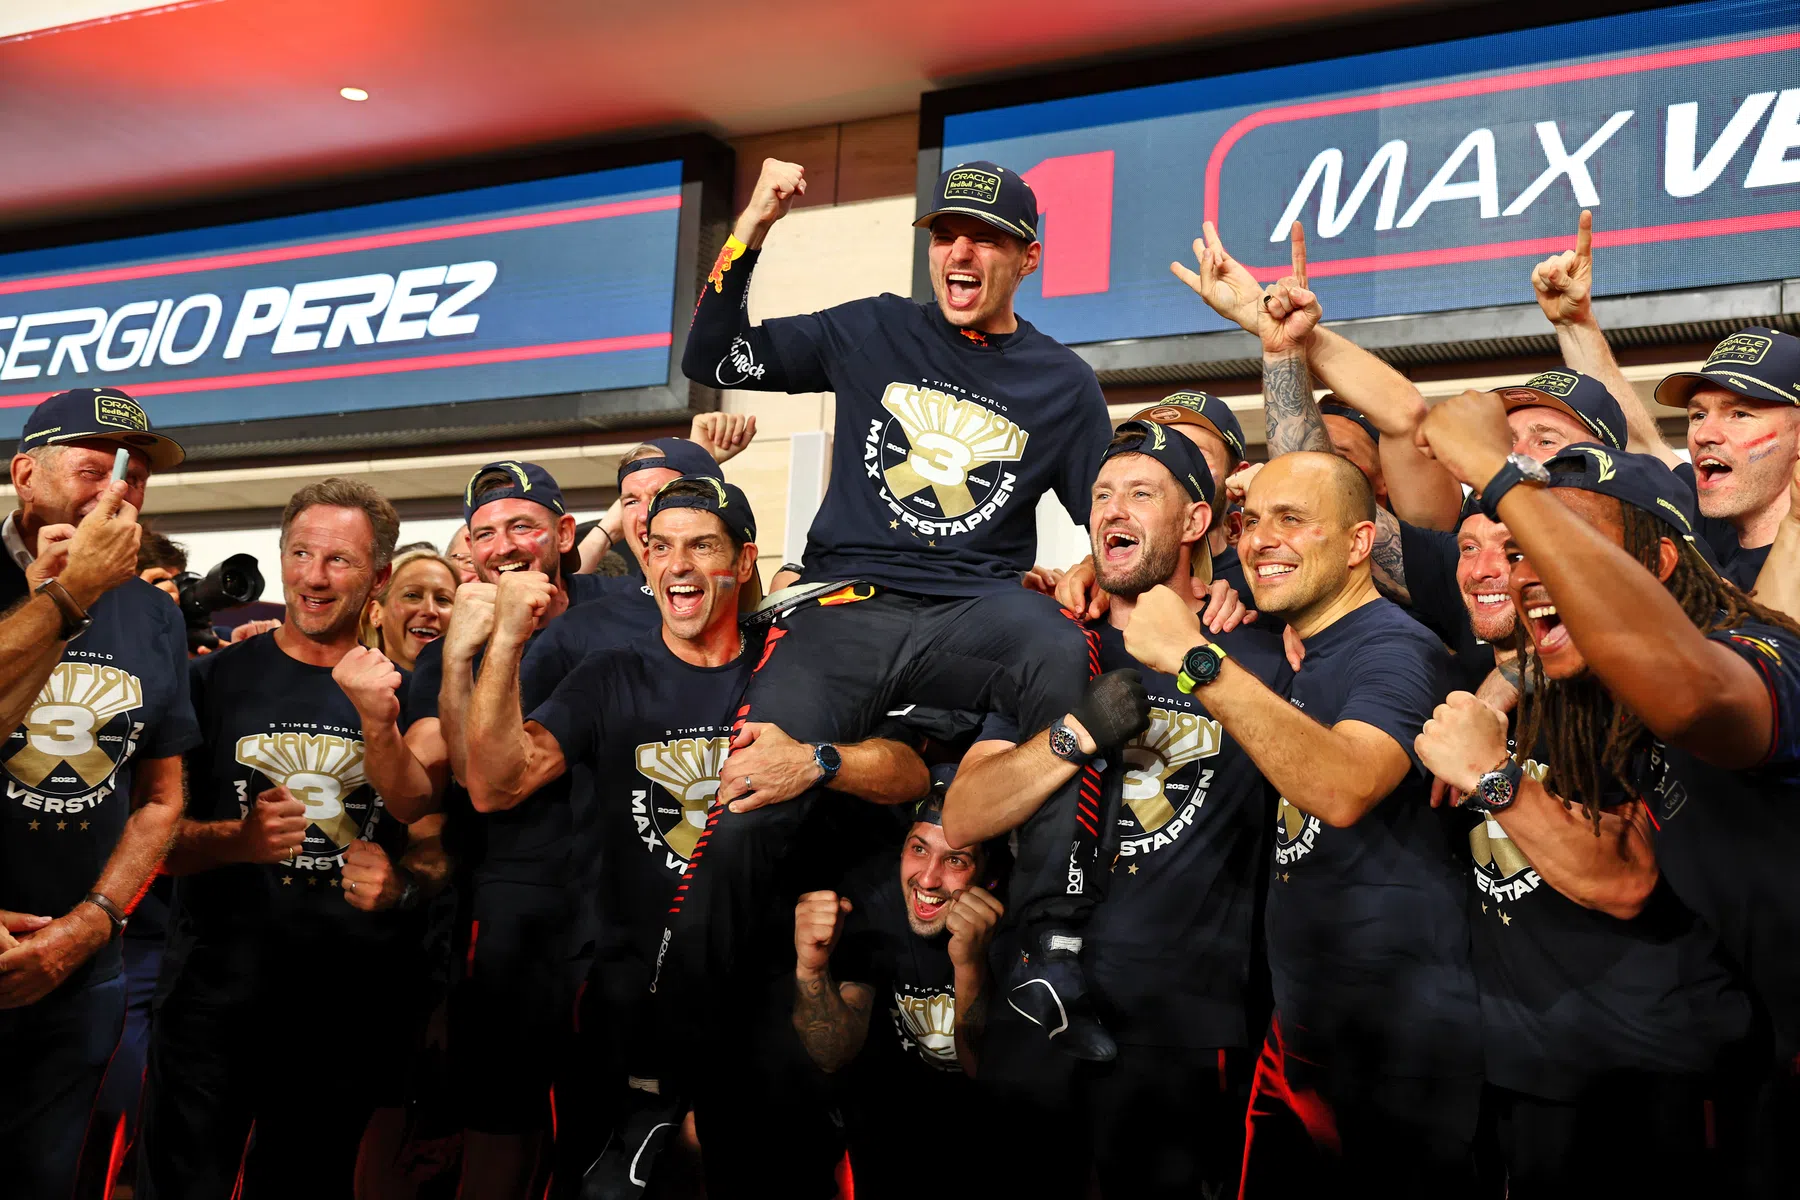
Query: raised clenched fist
[471, 621]
[521, 600]
[818, 920]
[770, 200]
[372, 682]
[971, 920]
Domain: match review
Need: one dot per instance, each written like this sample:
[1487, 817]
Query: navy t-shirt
[1740, 564]
[652, 732]
[528, 843]
[120, 694]
[270, 720]
[1570, 994]
[1723, 837]
[1368, 926]
[945, 438]
[1172, 949]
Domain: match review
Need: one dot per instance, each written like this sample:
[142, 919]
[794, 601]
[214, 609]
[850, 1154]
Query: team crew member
[1607, 1010]
[891, 998]
[1371, 1071]
[953, 419]
[1617, 602]
[96, 683]
[652, 721]
[1174, 951]
[295, 923]
[411, 609]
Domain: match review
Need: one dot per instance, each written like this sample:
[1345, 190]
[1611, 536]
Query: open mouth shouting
[927, 906]
[684, 599]
[1711, 471]
[1118, 544]
[962, 289]
[1547, 630]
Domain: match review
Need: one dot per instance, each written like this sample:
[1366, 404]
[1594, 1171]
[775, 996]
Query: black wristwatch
[1518, 469]
[1200, 666]
[1495, 791]
[829, 760]
[1066, 746]
[75, 618]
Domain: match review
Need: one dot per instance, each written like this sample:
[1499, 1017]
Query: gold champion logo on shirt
[688, 770]
[1295, 833]
[1172, 741]
[65, 720]
[948, 437]
[927, 1019]
[322, 770]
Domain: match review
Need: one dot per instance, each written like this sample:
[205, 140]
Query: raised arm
[1631, 631]
[832, 1019]
[971, 920]
[408, 788]
[1609, 865]
[1000, 784]
[1336, 773]
[508, 758]
[724, 349]
[1563, 284]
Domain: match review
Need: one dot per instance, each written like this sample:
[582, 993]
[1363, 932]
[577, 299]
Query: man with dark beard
[298, 908]
[1657, 677]
[1172, 948]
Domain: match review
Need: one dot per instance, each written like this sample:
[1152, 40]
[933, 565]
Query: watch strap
[114, 914]
[75, 618]
[1070, 749]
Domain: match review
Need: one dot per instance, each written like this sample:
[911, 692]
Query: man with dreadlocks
[1653, 675]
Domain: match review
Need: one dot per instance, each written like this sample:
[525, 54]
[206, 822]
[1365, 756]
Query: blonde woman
[412, 609]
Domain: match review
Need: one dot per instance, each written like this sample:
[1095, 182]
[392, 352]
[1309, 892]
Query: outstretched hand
[1222, 281]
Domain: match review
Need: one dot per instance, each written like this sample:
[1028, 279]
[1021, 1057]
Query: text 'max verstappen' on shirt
[946, 437]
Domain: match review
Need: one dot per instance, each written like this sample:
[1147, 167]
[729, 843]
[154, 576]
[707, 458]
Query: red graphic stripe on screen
[386, 366]
[373, 241]
[1574, 72]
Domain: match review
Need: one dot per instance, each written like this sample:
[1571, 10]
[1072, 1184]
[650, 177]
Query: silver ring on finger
[350, 885]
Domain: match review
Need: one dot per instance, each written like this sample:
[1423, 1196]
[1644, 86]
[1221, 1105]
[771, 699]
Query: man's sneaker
[622, 1171]
[1049, 990]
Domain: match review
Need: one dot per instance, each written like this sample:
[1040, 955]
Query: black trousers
[1631, 1133]
[1156, 1123]
[303, 1062]
[54, 1054]
[832, 672]
[1317, 1128]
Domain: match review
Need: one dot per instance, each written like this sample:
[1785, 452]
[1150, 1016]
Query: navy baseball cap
[680, 455]
[1331, 406]
[1762, 364]
[717, 496]
[510, 479]
[99, 414]
[1180, 456]
[1200, 409]
[1580, 396]
[988, 192]
[1640, 480]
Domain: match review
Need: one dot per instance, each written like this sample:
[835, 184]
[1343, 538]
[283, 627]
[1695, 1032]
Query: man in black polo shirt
[297, 933]
[652, 722]
[1690, 691]
[953, 419]
[891, 999]
[93, 774]
[1174, 951]
[1370, 1075]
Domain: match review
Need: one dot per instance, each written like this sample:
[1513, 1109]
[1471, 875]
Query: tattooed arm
[1291, 413]
[831, 1018]
[1387, 560]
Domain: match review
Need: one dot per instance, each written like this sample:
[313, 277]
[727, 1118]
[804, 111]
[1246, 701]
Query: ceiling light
[353, 93]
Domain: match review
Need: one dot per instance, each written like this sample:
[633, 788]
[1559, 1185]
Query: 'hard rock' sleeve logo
[948, 439]
[1173, 740]
[687, 769]
[325, 773]
[66, 721]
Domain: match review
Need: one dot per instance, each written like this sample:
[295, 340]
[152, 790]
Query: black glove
[1114, 708]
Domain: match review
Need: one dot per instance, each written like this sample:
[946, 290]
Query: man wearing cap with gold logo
[93, 777]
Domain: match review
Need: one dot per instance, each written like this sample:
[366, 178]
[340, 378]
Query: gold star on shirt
[1505, 920]
[1132, 869]
[1484, 907]
[893, 524]
[286, 880]
[62, 824]
[933, 542]
[84, 826]
[1284, 877]
[34, 825]
[334, 883]
[313, 882]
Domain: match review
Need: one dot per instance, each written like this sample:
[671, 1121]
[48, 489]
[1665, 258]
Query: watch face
[1494, 790]
[829, 758]
[1201, 664]
[1063, 742]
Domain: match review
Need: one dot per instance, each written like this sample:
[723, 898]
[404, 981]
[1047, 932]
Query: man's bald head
[1336, 482]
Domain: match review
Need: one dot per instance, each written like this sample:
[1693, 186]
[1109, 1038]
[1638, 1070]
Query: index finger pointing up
[1584, 237]
[1297, 244]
